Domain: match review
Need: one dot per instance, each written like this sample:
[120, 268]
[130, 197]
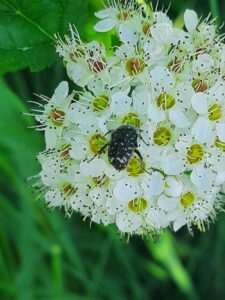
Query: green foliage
[42, 254]
[27, 31]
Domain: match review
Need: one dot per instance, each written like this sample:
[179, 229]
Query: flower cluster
[166, 83]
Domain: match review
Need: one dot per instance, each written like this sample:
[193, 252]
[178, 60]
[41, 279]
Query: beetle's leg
[97, 154]
[108, 132]
[140, 156]
[141, 137]
[142, 161]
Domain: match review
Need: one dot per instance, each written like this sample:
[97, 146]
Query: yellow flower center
[195, 154]
[132, 119]
[135, 66]
[69, 190]
[219, 144]
[57, 117]
[96, 143]
[214, 112]
[135, 167]
[137, 205]
[199, 85]
[162, 136]
[187, 199]
[123, 15]
[175, 65]
[165, 101]
[100, 103]
[101, 180]
[146, 28]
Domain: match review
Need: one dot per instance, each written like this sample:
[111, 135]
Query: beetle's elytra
[121, 147]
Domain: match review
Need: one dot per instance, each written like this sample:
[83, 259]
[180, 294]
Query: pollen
[57, 117]
[162, 136]
[165, 101]
[187, 199]
[132, 119]
[195, 154]
[135, 66]
[214, 112]
[135, 167]
[137, 205]
[96, 142]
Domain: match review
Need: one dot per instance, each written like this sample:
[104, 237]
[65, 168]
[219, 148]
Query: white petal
[53, 198]
[61, 92]
[202, 130]
[92, 168]
[79, 148]
[217, 92]
[126, 190]
[199, 103]
[167, 203]
[128, 35]
[50, 138]
[141, 99]
[155, 115]
[190, 20]
[184, 94]
[220, 178]
[120, 103]
[181, 146]
[221, 132]
[161, 78]
[75, 71]
[128, 222]
[162, 32]
[153, 184]
[173, 164]
[202, 178]
[105, 25]
[203, 63]
[105, 13]
[157, 218]
[173, 187]
[98, 196]
[179, 223]
[178, 118]
[80, 202]
[161, 17]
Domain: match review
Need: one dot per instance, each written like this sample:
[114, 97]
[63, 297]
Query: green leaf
[27, 31]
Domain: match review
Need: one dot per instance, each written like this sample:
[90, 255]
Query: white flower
[167, 84]
[164, 103]
[123, 19]
[53, 118]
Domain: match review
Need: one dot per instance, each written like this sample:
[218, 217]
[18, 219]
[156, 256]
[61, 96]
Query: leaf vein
[21, 14]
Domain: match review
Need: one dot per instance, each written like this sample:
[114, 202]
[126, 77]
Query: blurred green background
[45, 256]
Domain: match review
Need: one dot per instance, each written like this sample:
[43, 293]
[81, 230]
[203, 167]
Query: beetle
[121, 147]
